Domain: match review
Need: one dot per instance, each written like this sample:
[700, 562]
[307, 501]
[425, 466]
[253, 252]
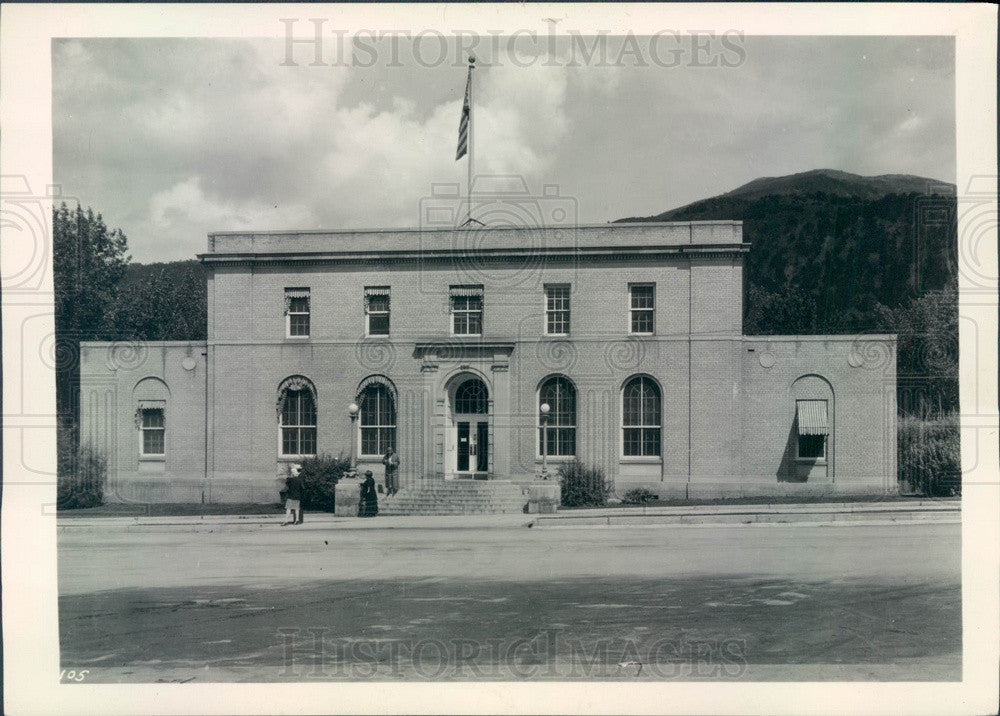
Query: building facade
[451, 341]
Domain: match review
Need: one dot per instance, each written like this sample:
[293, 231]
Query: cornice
[575, 253]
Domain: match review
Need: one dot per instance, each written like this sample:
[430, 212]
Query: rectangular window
[377, 421]
[813, 428]
[557, 309]
[466, 310]
[642, 308]
[153, 431]
[377, 310]
[812, 447]
[298, 423]
[297, 312]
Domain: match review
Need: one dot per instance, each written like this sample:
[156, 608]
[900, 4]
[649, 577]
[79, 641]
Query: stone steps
[455, 498]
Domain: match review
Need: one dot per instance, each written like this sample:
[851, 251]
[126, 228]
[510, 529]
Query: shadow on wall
[788, 468]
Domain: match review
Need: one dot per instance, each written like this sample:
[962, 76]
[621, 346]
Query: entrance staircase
[455, 497]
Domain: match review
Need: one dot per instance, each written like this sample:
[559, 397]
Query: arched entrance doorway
[469, 431]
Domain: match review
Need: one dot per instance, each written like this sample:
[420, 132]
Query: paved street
[764, 602]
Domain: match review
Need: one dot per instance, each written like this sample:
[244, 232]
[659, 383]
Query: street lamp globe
[353, 409]
[545, 409]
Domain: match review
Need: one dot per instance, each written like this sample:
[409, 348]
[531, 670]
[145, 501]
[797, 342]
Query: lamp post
[544, 415]
[352, 411]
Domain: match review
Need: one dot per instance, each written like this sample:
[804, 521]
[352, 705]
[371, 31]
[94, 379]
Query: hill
[847, 241]
[830, 182]
[834, 252]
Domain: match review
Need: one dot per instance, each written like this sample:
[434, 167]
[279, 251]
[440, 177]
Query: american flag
[463, 125]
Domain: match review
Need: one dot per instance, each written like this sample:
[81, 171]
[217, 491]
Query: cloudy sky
[170, 139]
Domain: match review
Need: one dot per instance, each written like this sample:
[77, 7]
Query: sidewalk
[831, 513]
[806, 513]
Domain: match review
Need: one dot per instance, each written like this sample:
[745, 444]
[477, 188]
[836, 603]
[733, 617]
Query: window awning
[293, 383]
[376, 290]
[291, 293]
[379, 379]
[150, 405]
[466, 290]
[812, 417]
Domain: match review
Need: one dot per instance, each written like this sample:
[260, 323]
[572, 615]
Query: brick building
[450, 340]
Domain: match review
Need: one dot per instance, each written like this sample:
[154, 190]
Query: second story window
[297, 312]
[377, 310]
[642, 308]
[466, 310]
[557, 309]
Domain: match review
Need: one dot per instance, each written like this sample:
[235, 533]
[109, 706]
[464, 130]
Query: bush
[81, 476]
[638, 496]
[320, 476]
[930, 455]
[583, 486]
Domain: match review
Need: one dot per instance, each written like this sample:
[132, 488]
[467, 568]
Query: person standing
[297, 476]
[293, 498]
[368, 502]
[391, 462]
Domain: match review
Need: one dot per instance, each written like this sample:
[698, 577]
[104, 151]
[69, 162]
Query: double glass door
[471, 447]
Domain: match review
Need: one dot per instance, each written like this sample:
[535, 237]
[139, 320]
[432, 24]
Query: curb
[733, 517]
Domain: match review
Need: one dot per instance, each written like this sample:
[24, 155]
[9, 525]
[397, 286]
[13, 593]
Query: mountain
[833, 252]
[847, 241]
[837, 183]
[828, 182]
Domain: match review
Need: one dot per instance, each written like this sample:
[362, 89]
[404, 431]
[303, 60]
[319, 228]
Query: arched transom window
[472, 397]
[641, 418]
[558, 434]
[377, 419]
[297, 417]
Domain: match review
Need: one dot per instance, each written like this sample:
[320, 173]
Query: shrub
[320, 476]
[638, 496]
[81, 477]
[582, 485]
[930, 455]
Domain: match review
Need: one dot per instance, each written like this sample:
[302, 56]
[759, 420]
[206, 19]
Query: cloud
[173, 138]
[187, 203]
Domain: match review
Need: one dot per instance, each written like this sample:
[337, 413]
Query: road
[768, 602]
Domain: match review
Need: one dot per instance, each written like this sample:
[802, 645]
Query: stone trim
[380, 258]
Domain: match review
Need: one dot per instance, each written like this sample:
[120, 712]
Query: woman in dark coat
[368, 504]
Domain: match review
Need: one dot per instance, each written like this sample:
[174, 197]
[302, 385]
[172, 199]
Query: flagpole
[472, 144]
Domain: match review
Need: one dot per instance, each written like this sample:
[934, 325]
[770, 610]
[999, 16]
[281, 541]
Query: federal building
[448, 343]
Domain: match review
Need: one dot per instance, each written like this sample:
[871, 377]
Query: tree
[927, 363]
[161, 302]
[88, 262]
[788, 312]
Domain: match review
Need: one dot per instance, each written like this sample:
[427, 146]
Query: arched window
[151, 395]
[641, 417]
[297, 417]
[377, 419]
[471, 397]
[559, 433]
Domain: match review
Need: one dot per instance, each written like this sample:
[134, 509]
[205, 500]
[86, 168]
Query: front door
[471, 447]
